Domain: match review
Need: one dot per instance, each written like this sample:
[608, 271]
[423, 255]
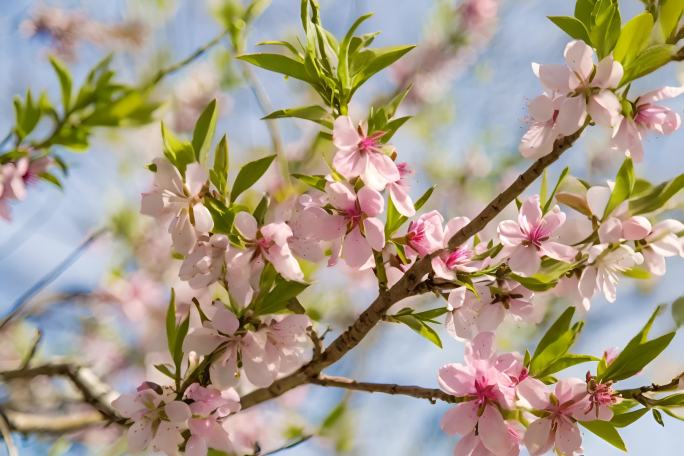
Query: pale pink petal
[224, 320]
[597, 199]
[530, 213]
[555, 77]
[558, 251]
[492, 427]
[571, 115]
[177, 411]
[375, 233]
[246, 224]
[568, 437]
[370, 201]
[608, 73]
[539, 437]
[535, 392]
[605, 108]
[356, 251]
[202, 341]
[538, 141]
[196, 446]
[541, 108]
[345, 135]
[460, 419]
[524, 260]
[380, 170]
[510, 234]
[636, 228]
[195, 177]
[579, 57]
[204, 223]
[139, 435]
[456, 379]
[340, 196]
[402, 200]
[660, 94]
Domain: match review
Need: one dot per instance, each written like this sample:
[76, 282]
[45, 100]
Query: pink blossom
[526, 241]
[351, 224]
[448, 263]
[473, 444]
[362, 155]
[399, 191]
[470, 315]
[663, 241]
[425, 234]
[208, 406]
[219, 331]
[618, 225]
[602, 397]
[15, 176]
[551, 117]
[172, 195]
[646, 116]
[487, 381]
[268, 243]
[604, 265]
[158, 419]
[204, 265]
[559, 428]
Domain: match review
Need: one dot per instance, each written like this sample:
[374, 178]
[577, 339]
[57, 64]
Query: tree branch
[406, 286]
[58, 424]
[95, 392]
[431, 394]
[636, 393]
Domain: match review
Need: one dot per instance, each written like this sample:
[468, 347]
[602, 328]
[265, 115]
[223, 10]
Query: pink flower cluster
[581, 88]
[492, 386]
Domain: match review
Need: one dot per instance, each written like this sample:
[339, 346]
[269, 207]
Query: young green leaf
[669, 14]
[625, 419]
[678, 311]
[313, 113]
[204, 132]
[317, 182]
[560, 326]
[624, 184]
[279, 64]
[657, 196]
[633, 38]
[65, 82]
[573, 27]
[376, 60]
[171, 322]
[648, 60]
[562, 176]
[419, 327]
[219, 172]
[178, 152]
[278, 298]
[249, 174]
[606, 431]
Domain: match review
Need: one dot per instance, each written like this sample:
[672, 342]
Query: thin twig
[430, 394]
[95, 392]
[6, 433]
[288, 446]
[636, 393]
[57, 424]
[50, 276]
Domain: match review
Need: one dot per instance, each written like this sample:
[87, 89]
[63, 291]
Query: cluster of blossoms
[581, 88]
[15, 176]
[493, 387]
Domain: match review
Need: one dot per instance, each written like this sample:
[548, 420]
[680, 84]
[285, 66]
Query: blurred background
[471, 80]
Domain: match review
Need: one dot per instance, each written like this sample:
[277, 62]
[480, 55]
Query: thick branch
[406, 286]
[94, 391]
[431, 394]
[58, 424]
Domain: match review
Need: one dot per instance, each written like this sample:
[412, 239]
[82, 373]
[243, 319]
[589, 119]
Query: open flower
[487, 384]
[663, 241]
[469, 315]
[449, 262]
[605, 263]
[205, 263]
[558, 429]
[646, 116]
[526, 241]
[617, 225]
[425, 234]
[268, 243]
[158, 419]
[351, 224]
[182, 199]
[209, 405]
[362, 155]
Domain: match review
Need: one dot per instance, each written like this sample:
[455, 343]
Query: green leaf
[648, 60]
[658, 417]
[260, 211]
[375, 60]
[637, 273]
[313, 113]
[278, 298]
[49, 177]
[605, 26]
[624, 184]
[181, 332]
[204, 132]
[583, 9]
[249, 174]
[678, 311]
[394, 223]
[65, 82]
[171, 322]
[165, 369]
[219, 173]
[567, 360]
[430, 314]
[625, 419]
[635, 357]
[549, 201]
[317, 182]
[221, 215]
[673, 400]
[657, 196]
[178, 152]
[561, 325]
[343, 56]
[606, 431]
[633, 38]
[669, 14]
[573, 27]
[534, 283]
[279, 64]
[419, 327]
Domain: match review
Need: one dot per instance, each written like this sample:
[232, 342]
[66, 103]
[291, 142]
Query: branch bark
[430, 394]
[95, 392]
[57, 424]
[406, 286]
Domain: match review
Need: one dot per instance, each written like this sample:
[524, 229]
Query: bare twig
[637, 393]
[287, 446]
[431, 394]
[31, 423]
[95, 392]
[6, 433]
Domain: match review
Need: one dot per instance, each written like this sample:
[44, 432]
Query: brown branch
[406, 286]
[431, 394]
[95, 392]
[6, 434]
[30, 423]
[637, 393]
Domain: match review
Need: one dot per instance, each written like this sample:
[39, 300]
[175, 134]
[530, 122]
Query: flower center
[536, 236]
[371, 143]
[484, 391]
[458, 257]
